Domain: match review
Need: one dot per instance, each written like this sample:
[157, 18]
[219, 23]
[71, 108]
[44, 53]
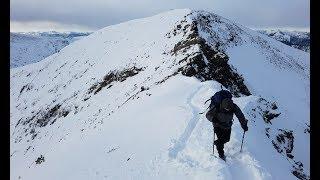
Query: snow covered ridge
[124, 103]
[31, 47]
[296, 39]
[22, 53]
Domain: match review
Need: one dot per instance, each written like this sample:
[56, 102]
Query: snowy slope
[31, 47]
[124, 103]
[296, 39]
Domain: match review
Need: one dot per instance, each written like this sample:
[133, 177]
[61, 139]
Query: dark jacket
[224, 119]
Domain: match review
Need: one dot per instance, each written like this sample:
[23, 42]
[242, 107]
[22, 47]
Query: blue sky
[85, 15]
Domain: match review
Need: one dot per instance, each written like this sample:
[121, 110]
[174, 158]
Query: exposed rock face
[284, 143]
[40, 160]
[282, 139]
[42, 118]
[112, 77]
[210, 62]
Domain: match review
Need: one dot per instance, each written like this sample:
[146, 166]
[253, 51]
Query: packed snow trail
[181, 143]
[192, 152]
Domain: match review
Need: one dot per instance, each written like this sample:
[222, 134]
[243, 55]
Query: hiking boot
[222, 156]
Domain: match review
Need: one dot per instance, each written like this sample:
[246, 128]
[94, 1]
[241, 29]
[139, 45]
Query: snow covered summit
[124, 103]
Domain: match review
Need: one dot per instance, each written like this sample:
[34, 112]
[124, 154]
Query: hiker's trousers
[223, 136]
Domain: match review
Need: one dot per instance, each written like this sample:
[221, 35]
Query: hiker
[220, 113]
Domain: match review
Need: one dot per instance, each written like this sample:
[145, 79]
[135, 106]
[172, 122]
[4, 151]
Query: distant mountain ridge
[31, 47]
[296, 39]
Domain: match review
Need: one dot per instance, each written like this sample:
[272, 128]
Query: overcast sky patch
[96, 14]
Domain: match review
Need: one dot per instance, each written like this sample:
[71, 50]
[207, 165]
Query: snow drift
[124, 103]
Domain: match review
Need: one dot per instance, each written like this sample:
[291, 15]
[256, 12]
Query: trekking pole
[242, 140]
[214, 137]
[204, 110]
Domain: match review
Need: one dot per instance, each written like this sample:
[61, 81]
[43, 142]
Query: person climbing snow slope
[220, 113]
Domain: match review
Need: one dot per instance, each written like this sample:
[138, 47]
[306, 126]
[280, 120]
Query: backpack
[216, 99]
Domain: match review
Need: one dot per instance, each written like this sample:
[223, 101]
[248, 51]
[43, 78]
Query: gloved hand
[245, 126]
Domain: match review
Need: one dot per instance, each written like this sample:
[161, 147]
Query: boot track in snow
[181, 143]
[237, 165]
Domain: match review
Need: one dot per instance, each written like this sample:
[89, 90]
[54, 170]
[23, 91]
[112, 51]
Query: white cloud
[19, 26]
